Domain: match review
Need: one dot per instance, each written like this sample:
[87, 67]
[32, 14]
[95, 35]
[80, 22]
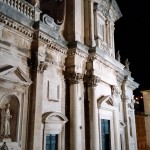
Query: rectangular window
[52, 142]
[105, 131]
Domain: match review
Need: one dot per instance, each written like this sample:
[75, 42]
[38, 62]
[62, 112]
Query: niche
[9, 118]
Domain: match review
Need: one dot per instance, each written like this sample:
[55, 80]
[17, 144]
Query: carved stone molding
[115, 90]
[42, 67]
[131, 105]
[54, 46]
[74, 78]
[77, 48]
[16, 26]
[50, 22]
[92, 80]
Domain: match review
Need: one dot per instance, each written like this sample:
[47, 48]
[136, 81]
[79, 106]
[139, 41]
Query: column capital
[92, 80]
[42, 67]
[73, 77]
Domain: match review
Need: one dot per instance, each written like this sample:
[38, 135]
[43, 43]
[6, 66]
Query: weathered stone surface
[64, 86]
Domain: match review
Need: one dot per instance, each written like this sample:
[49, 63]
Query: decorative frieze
[16, 26]
[56, 47]
[74, 78]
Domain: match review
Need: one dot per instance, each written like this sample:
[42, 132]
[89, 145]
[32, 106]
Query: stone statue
[118, 57]
[127, 63]
[7, 121]
[4, 146]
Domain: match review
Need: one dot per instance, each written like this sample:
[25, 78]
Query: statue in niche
[118, 57]
[127, 63]
[5, 121]
[53, 8]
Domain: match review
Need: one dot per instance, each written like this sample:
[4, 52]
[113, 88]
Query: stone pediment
[54, 117]
[105, 100]
[14, 74]
[53, 122]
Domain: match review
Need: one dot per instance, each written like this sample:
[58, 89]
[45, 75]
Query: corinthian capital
[92, 80]
[74, 78]
[42, 66]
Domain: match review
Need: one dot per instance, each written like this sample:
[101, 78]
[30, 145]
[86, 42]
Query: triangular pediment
[105, 100]
[14, 74]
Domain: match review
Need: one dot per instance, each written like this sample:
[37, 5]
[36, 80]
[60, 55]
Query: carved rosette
[42, 67]
[74, 78]
[92, 80]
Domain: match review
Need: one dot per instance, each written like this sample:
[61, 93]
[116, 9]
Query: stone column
[75, 112]
[125, 110]
[94, 124]
[91, 23]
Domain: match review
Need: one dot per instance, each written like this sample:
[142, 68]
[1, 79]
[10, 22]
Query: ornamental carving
[131, 105]
[74, 78]
[16, 26]
[92, 80]
[50, 22]
[55, 9]
[42, 67]
[115, 90]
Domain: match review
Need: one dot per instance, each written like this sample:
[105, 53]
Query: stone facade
[60, 78]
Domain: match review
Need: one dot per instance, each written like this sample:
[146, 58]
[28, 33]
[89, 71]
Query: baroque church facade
[61, 85]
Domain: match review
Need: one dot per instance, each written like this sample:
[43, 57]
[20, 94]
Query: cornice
[128, 80]
[77, 48]
[108, 8]
[96, 53]
[16, 26]
[55, 47]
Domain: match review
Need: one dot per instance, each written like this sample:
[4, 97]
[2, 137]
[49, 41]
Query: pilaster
[75, 112]
[89, 23]
[74, 21]
[129, 115]
[75, 70]
[37, 67]
[92, 82]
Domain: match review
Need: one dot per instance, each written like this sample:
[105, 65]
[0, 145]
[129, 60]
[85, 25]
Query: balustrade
[22, 6]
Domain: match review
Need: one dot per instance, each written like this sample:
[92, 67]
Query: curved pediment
[54, 116]
[105, 100]
[54, 122]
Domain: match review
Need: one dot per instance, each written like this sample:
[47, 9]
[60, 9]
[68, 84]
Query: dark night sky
[132, 33]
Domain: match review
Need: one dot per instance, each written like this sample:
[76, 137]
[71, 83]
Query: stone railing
[21, 6]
